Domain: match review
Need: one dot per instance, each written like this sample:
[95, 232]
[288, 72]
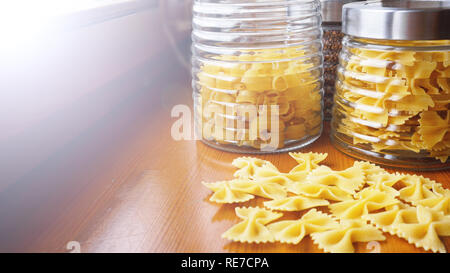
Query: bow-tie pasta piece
[420, 226]
[279, 178]
[274, 176]
[296, 177]
[293, 231]
[261, 170]
[433, 128]
[252, 228]
[319, 191]
[415, 188]
[225, 193]
[437, 203]
[349, 180]
[295, 203]
[298, 174]
[260, 188]
[341, 239]
[419, 190]
[368, 168]
[307, 161]
[249, 165]
[368, 200]
[421, 70]
[385, 220]
[384, 182]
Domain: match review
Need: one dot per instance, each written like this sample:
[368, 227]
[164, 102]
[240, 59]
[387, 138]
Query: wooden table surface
[161, 206]
[140, 191]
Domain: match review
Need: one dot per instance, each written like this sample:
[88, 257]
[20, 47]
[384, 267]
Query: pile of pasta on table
[360, 203]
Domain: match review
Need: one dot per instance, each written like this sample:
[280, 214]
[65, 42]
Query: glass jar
[332, 45]
[257, 74]
[393, 88]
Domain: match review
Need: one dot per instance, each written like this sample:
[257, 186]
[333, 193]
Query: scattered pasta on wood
[360, 203]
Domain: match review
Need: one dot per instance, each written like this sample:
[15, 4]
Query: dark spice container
[332, 44]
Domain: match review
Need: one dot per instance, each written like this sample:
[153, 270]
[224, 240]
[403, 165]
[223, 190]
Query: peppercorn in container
[257, 74]
[332, 45]
[393, 88]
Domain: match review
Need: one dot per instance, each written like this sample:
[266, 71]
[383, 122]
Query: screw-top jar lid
[397, 20]
[332, 9]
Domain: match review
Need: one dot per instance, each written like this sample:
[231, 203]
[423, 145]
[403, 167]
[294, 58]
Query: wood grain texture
[158, 204]
[140, 190]
[162, 207]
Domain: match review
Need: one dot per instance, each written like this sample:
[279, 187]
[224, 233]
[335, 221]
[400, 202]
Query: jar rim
[397, 20]
[398, 45]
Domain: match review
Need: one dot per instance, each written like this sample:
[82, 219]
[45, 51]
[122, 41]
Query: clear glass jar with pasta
[393, 90]
[257, 74]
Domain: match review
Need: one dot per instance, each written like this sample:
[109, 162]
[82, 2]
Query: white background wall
[68, 100]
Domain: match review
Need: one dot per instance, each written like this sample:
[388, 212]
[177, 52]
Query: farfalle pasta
[437, 203]
[242, 190]
[295, 203]
[225, 192]
[357, 204]
[341, 239]
[252, 228]
[264, 171]
[385, 182]
[367, 200]
[414, 188]
[368, 168]
[319, 191]
[419, 225]
[392, 102]
[348, 180]
[307, 161]
[259, 188]
[248, 167]
[293, 231]
[419, 190]
[259, 98]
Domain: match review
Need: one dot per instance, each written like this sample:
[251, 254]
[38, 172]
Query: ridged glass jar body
[392, 102]
[257, 74]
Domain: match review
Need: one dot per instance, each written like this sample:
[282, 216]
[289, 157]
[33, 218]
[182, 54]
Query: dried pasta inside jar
[257, 72]
[261, 99]
[395, 102]
[393, 90]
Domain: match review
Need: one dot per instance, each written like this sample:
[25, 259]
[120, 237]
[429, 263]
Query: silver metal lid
[397, 20]
[332, 9]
